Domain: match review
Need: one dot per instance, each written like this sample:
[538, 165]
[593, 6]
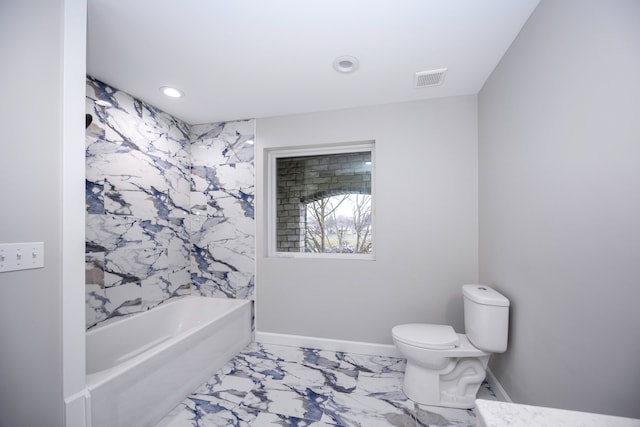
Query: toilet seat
[463, 349]
[428, 336]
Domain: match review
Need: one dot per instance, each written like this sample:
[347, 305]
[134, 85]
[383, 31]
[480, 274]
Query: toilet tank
[486, 318]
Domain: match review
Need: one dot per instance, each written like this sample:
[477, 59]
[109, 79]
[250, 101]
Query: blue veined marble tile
[236, 176]
[132, 265]
[353, 409]
[111, 232]
[131, 171]
[438, 416]
[275, 352]
[235, 200]
[290, 388]
[160, 233]
[223, 284]
[222, 143]
[94, 197]
[222, 212]
[209, 411]
[256, 363]
[128, 166]
[137, 204]
[142, 165]
[288, 400]
[246, 200]
[108, 303]
[324, 373]
[266, 419]
[204, 179]
[94, 269]
[327, 360]
[148, 203]
[96, 304]
[296, 374]
[177, 253]
[231, 180]
[138, 173]
[207, 131]
[485, 392]
[374, 364]
[125, 299]
[134, 145]
[233, 205]
[108, 232]
[202, 205]
[127, 170]
[181, 197]
[237, 181]
[232, 253]
[163, 286]
[232, 388]
[295, 368]
[227, 244]
[386, 386]
[150, 124]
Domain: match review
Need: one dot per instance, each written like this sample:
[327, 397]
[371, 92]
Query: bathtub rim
[96, 379]
[107, 324]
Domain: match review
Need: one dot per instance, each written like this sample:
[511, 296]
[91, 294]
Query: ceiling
[239, 59]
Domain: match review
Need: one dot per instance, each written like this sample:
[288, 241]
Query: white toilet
[445, 368]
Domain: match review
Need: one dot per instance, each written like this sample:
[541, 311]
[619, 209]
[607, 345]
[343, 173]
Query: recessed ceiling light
[171, 92]
[346, 64]
[249, 141]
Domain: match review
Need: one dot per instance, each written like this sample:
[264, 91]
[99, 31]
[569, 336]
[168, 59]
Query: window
[322, 201]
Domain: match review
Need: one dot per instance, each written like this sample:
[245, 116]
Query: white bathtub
[141, 367]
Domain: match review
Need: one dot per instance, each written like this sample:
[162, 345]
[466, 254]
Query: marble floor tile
[265, 419]
[353, 409]
[209, 411]
[272, 385]
[288, 400]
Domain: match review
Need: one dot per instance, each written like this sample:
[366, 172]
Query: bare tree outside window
[339, 224]
[362, 222]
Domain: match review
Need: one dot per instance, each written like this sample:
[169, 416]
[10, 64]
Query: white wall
[30, 194]
[559, 160]
[73, 208]
[426, 225]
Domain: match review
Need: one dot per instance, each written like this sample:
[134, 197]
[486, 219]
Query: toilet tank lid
[485, 295]
[425, 335]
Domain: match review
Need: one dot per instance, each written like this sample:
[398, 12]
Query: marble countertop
[497, 414]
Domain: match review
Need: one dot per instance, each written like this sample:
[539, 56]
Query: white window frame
[273, 154]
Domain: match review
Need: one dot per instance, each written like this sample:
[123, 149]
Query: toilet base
[454, 386]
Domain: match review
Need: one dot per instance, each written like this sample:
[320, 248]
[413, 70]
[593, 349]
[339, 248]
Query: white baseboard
[495, 385]
[355, 347]
[76, 410]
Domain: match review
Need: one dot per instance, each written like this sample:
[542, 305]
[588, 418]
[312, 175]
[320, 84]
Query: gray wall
[426, 225]
[30, 194]
[559, 170]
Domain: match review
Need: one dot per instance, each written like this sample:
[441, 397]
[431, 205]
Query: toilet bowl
[445, 368]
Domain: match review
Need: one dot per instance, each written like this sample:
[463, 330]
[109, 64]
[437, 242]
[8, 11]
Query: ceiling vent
[430, 78]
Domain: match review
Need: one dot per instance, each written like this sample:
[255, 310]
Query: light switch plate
[21, 256]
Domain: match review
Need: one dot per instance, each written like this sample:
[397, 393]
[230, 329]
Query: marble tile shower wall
[222, 201]
[169, 207]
